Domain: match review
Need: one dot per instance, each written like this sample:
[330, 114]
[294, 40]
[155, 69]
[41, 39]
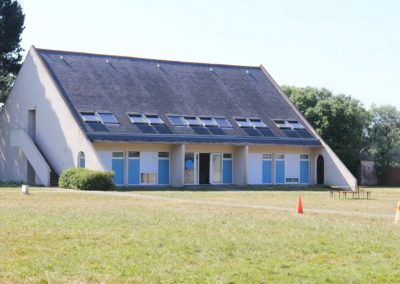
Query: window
[280, 156]
[243, 122]
[177, 120]
[303, 157]
[137, 118]
[258, 123]
[282, 124]
[223, 122]
[118, 154]
[208, 121]
[133, 154]
[148, 178]
[227, 156]
[292, 180]
[267, 156]
[192, 120]
[81, 160]
[89, 117]
[295, 124]
[107, 117]
[163, 155]
[154, 119]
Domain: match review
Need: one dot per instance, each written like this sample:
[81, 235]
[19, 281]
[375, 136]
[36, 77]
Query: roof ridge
[146, 59]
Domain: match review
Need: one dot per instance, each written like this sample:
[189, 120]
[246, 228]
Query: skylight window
[177, 120]
[137, 119]
[208, 121]
[258, 123]
[107, 118]
[223, 122]
[89, 117]
[282, 124]
[243, 122]
[193, 121]
[154, 119]
[295, 124]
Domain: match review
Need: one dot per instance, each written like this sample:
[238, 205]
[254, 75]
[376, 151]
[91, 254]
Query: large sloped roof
[121, 85]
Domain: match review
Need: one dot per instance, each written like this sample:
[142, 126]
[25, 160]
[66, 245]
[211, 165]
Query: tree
[11, 27]
[340, 120]
[384, 134]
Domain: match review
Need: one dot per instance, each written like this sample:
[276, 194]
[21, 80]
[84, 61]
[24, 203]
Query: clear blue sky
[348, 46]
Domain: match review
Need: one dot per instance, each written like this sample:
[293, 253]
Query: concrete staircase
[20, 138]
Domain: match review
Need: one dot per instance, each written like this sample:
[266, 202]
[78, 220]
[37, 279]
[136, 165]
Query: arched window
[81, 160]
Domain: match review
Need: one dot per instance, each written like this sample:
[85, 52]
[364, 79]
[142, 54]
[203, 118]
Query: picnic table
[343, 191]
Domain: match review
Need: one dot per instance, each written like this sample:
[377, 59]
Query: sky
[348, 46]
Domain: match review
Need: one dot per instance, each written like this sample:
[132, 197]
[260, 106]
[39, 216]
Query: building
[157, 122]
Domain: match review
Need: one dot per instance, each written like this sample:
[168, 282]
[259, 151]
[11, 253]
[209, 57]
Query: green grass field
[196, 236]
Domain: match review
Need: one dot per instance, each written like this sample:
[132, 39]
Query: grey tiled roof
[91, 82]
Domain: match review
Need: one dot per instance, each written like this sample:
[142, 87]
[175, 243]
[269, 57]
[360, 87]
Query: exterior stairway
[21, 139]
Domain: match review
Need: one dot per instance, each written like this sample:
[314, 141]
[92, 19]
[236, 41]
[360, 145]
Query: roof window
[208, 121]
[295, 124]
[177, 120]
[154, 119]
[137, 119]
[193, 121]
[89, 117]
[107, 117]
[258, 123]
[223, 122]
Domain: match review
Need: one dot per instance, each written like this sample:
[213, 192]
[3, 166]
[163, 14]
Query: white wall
[106, 158]
[58, 135]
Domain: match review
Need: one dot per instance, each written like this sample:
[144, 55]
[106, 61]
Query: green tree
[340, 120]
[384, 134]
[11, 27]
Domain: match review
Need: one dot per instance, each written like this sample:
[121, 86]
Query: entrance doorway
[204, 168]
[320, 170]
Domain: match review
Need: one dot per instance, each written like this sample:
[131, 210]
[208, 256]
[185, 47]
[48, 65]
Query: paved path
[227, 204]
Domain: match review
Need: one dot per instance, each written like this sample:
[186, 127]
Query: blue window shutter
[163, 171]
[267, 172]
[304, 172]
[118, 168]
[280, 172]
[133, 171]
[227, 173]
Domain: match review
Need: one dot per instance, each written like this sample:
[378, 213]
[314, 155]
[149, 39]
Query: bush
[84, 179]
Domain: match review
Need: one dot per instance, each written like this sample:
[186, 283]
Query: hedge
[85, 179]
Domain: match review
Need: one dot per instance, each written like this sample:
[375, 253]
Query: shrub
[85, 179]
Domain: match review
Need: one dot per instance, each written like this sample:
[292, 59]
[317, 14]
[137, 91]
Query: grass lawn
[79, 236]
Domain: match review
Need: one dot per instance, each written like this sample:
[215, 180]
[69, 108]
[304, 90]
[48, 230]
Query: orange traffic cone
[300, 206]
[397, 219]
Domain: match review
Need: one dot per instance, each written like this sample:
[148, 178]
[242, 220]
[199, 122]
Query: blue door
[304, 172]
[227, 171]
[133, 171]
[267, 172]
[163, 171]
[280, 172]
[118, 169]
